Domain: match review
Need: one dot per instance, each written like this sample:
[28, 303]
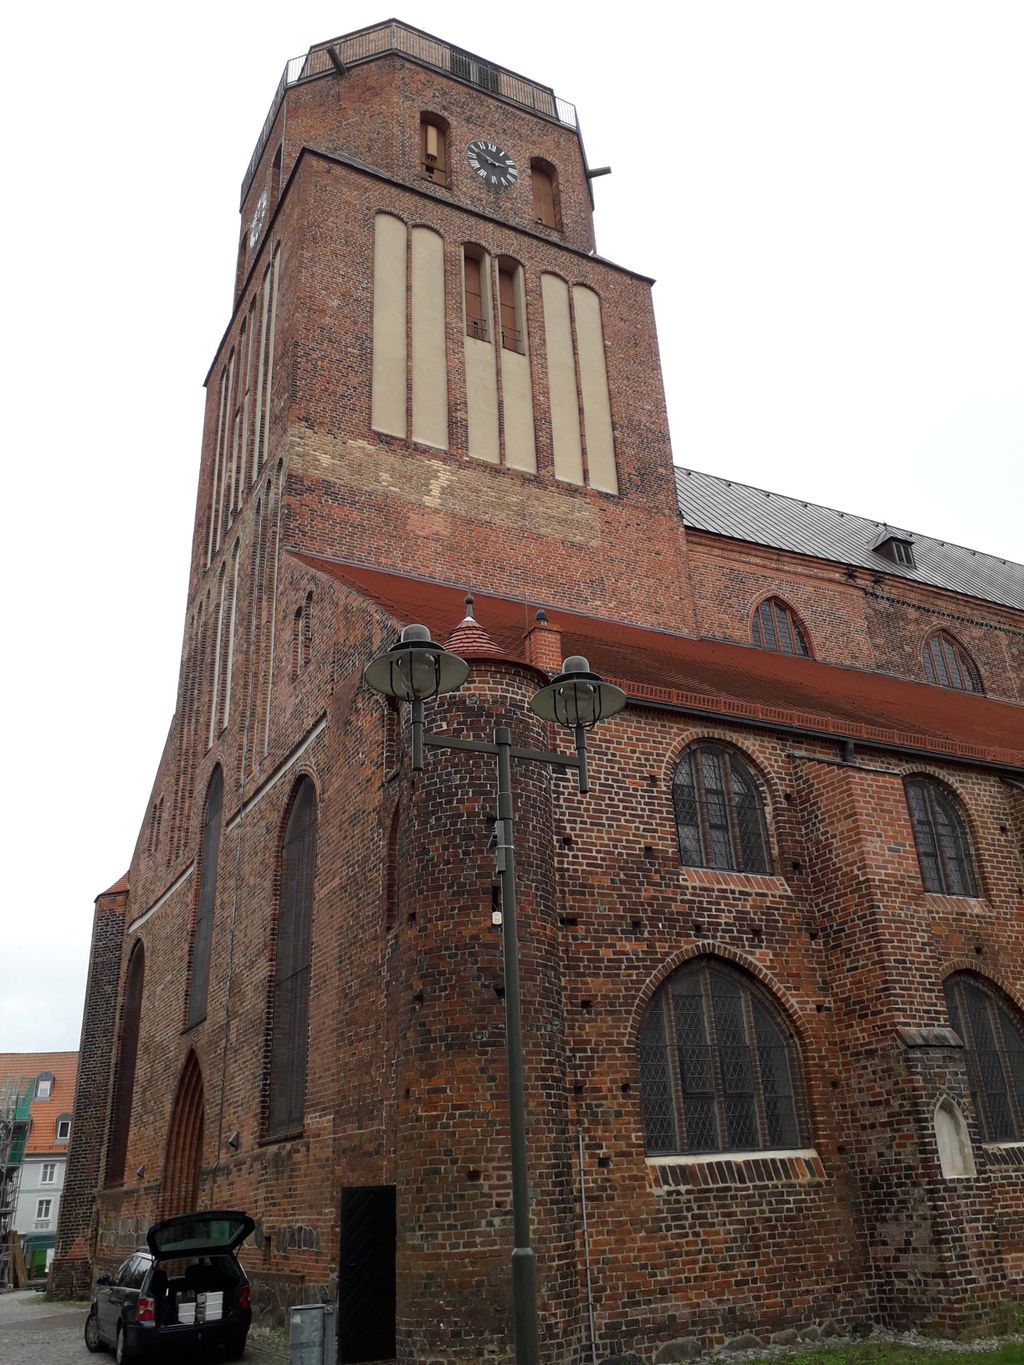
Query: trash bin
[311, 1334]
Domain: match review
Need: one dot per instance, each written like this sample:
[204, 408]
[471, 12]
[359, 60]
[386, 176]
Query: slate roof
[726, 508]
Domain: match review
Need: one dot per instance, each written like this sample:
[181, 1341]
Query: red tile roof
[63, 1066]
[730, 680]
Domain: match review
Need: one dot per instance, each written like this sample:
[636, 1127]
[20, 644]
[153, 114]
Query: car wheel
[123, 1354]
[92, 1333]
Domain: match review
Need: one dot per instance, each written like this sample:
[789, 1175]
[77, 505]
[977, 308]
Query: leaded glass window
[718, 1067]
[289, 1042]
[940, 835]
[776, 626]
[994, 1039]
[948, 664]
[719, 812]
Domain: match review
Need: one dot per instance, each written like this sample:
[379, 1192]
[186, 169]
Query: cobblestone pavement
[34, 1331]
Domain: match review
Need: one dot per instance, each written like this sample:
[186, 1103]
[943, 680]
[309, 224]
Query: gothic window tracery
[941, 838]
[948, 664]
[289, 1036]
[777, 627]
[719, 1068]
[993, 1036]
[720, 817]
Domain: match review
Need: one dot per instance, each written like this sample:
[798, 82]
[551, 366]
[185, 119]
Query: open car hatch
[206, 1233]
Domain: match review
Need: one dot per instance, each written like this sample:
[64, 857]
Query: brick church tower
[765, 962]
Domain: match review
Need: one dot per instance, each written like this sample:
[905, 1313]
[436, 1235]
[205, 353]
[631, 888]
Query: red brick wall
[869, 620]
[406, 1082]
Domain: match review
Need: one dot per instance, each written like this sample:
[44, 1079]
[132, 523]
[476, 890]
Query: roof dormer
[896, 546]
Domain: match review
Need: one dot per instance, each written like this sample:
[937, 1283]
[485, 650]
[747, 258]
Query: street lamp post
[416, 670]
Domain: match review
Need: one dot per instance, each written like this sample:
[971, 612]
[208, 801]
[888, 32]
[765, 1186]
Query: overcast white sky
[833, 209]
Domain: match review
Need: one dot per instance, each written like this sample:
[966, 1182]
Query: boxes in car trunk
[210, 1306]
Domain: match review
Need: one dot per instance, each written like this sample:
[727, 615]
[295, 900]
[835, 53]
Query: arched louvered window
[290, 992]
[947, 663]
[543, 181]
[777, 627]
[943, 844]
[994, 1038]
[202, 939]
[124, 1078]
[719, 812]
[719, 1068]
[434, 148]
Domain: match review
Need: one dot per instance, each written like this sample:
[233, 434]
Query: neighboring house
[52, 1076]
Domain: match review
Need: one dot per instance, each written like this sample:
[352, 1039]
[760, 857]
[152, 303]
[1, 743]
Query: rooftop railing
[396, 37]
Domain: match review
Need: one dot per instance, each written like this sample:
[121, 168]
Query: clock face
[257, 219]
[494, 167]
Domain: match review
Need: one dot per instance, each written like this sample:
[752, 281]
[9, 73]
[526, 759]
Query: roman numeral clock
[493, 165]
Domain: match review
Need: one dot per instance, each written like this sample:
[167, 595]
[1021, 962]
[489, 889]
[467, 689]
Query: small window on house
[993, 1037]
[44, 1208]
[434, 148]
[940, 835]
[44, 1085]
[542, 179]
[719, 813]
[719, 1068]
[777, 627]
[510, 300]
[474, 277]
[48, 1175]
[64, 1128]
[948, 664]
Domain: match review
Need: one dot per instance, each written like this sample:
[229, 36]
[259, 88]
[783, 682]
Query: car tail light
[145, 1310]
[242, 1297]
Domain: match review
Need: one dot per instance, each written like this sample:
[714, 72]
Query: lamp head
[416, 669]
[578, 697]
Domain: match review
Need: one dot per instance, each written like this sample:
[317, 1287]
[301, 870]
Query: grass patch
[877, 1354]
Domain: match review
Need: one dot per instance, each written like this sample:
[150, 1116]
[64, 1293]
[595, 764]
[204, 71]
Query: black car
[185, 1297]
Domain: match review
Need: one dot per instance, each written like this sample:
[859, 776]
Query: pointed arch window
[993, 1036]
[941, 838]
[776, 626]
[290, 990]
[202, 939]
[719, 1067]
[720, 816]
[948, 664]
[124, 1078]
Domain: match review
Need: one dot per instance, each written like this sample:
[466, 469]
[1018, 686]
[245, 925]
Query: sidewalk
[38, 1331]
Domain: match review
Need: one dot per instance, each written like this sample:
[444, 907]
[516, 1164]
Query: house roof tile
[63, 1066]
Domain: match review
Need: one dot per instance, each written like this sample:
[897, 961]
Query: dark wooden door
[366, 1288]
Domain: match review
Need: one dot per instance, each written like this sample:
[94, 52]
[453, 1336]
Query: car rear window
[201, 1272]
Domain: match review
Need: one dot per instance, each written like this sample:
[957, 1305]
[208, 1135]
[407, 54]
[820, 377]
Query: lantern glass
[578, 697]
[416, 669]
